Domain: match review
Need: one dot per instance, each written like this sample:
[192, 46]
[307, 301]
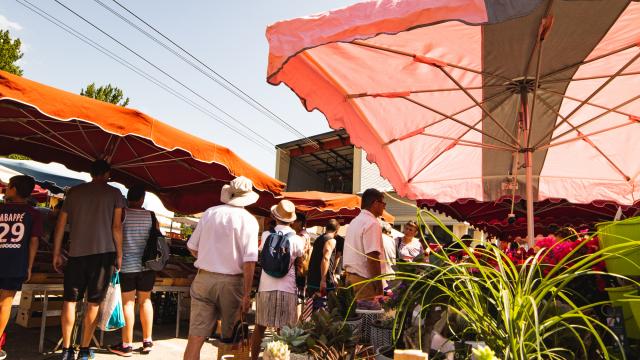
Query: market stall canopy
[38, 193]
[476, 99]
[186, 172]
[319, 207]
[493, 216]
[54, 177]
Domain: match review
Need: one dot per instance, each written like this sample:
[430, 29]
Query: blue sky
[227, 35]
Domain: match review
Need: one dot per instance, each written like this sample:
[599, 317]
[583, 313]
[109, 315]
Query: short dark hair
[369, 197]
[332, 225]
[135, 193]
[24, 185]
[99, 167]
[301, 218]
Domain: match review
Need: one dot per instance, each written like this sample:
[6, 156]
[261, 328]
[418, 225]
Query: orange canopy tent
[186, 172]
[319, 207]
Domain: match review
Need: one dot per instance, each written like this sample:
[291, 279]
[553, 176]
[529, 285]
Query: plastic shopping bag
[111, 315]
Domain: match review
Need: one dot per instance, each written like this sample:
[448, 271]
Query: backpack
[156, 252]
[276, 254]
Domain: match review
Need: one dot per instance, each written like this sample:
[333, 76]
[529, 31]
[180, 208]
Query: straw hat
[284, 211]
[239, 192]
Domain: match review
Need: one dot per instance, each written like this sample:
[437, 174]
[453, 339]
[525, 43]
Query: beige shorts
[364, 288]
[215, 297]
[276, 309]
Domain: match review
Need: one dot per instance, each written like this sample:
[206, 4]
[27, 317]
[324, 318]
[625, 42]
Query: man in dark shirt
[20, 230]
[322, 266]
[94, 213]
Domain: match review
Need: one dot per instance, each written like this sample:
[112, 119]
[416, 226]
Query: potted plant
[276, 350]
[494, 295]
[341, 304]
[358, 352]
[323, 328]
[297, 340]
[382, 330]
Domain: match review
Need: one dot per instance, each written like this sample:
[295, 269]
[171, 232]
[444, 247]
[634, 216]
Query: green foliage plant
[295, 337]
[10, 53]
[520, 312]
[327, 329]
[108, 93]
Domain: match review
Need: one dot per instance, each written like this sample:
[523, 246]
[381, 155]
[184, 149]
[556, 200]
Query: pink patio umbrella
[478, 99]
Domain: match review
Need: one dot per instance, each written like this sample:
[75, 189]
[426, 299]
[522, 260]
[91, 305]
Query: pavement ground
[22, 343]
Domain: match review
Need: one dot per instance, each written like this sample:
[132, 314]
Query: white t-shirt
[389, 254]
[409, 251]
[225, 238]
[364, 235]
[288, 282]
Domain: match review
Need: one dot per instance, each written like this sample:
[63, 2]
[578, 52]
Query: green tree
[108, 93]
[18, 157]
[10, 53]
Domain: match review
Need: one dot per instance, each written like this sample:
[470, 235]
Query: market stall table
[48, 288]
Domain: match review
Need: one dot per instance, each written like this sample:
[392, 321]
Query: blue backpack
[276, 254]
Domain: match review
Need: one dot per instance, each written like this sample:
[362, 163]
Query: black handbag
[156, 251]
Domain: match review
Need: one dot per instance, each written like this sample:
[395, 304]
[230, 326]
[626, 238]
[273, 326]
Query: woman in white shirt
[409, 247]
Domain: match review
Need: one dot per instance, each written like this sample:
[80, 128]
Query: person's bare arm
[33, 250]
[329, 245]
[373, 262]
[116, 229]
[57, 241]
[248, 270]
[194, 253]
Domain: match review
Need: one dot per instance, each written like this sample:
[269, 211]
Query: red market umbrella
[319, 207]
[478, 99]
[493, 216]
[186, 172]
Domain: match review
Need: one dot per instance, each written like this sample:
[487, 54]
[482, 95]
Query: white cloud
[6, 24]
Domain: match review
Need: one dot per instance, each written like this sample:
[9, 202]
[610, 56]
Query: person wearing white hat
[225, 244]
[276, 302]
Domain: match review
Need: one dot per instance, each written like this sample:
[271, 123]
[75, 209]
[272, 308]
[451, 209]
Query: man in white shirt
[363, 247]
[277, 300]
[225, 244]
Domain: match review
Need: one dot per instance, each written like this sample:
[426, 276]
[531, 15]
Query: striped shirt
[135, 231]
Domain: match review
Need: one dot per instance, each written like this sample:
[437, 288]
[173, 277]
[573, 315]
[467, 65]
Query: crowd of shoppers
[108, 234]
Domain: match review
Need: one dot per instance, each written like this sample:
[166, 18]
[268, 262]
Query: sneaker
[3, 354]
[120, 349]
[147, 346]
[68, 354]
[86, 354]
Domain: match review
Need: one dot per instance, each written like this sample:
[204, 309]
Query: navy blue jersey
[18, 223]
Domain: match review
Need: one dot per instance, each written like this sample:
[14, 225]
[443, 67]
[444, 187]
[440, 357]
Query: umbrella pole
[528, 163]
[529, 190]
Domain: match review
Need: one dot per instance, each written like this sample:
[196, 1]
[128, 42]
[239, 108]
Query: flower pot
[380, 336]
[631, 327]
[368, 317]
[355, 324]
[617, 232]
[634, 306]
[384, 353]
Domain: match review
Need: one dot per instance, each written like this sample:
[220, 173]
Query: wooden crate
[34, 300]
[33, 319]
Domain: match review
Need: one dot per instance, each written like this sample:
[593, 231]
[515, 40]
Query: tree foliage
[18, 157]
[108, 93]
[10, 53]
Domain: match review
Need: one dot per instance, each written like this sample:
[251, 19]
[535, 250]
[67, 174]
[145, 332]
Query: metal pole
[529, 191]
[528, 164]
